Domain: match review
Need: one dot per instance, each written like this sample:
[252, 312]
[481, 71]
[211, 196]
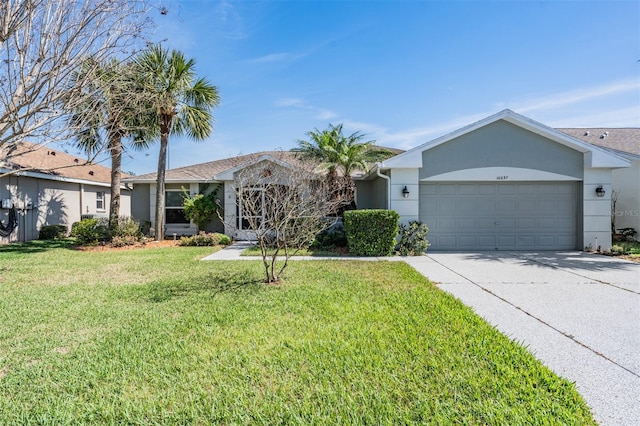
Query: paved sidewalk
[233, 252]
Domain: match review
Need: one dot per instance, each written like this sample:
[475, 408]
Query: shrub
[52, 232]
[629, 234]
[413, 239]
[200, 208]
[90, 231]
[371, 232]
[329, 239]
[205, 239]
[123, 241]
[225, 240]
[127, 227]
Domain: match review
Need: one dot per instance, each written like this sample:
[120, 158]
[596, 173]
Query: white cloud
[577, 96]
[325, 114]
[291, 102]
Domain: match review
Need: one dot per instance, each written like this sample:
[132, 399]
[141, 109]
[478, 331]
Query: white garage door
[500, 216]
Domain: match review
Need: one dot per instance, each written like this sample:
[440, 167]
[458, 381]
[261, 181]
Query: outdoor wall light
[405, 192]
[600, 191]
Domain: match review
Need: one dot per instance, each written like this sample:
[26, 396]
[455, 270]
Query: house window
[99, 200]
[173, 210]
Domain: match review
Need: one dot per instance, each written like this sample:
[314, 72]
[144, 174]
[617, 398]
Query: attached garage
[505, 183]
[500, 216]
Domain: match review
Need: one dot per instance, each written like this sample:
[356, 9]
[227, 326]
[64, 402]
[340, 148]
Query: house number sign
[502, 177]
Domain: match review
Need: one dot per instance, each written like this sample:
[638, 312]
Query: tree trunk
[165, 128]
[115, 149]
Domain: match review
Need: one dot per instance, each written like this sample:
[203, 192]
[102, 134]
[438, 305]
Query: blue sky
[402, 72]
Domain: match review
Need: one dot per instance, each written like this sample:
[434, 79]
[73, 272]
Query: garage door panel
[466, 205]
[506, 240]
[504, 223]
[447, 206]
[526, 242]
[506, 205]
[546, 242]
[546, 223]
[467, 223]
[546, 206]
[467, 189]
[566, 240]
[484, 224]
[487, 189]
[526, 206]
[486, 242]
[483, 206]
[500, 216]
[446, 189]
[447, 224]
[526, 223]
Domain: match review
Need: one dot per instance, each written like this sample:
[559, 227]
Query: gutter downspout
[388, 179]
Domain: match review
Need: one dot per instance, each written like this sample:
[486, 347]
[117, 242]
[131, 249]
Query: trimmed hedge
[53, 232]
[371, 232]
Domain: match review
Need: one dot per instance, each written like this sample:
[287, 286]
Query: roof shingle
[618, 139]
[42, 159]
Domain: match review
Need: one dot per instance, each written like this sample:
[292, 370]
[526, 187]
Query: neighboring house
[49, 187]
[625, 182]
[503, 183]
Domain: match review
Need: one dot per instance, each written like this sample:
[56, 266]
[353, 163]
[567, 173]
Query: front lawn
[155, 336]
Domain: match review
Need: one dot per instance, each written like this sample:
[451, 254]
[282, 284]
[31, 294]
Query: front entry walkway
[578, 313]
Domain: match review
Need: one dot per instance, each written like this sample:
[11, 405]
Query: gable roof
[621, 140]
[223, 169]
[41, 161]
[596, 156]
[205, 172]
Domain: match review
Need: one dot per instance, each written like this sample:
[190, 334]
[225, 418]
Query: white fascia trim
[228, 174]
[45, 176]
[153, 181]
[599, 157]
[498, 174]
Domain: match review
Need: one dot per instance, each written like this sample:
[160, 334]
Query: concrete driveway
[578, 313]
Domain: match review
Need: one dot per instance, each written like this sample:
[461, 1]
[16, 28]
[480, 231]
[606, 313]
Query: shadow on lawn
[36, 246]
[214, 283]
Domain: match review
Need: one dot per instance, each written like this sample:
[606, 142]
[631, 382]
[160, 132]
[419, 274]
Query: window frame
[100, 201]
[174, 208]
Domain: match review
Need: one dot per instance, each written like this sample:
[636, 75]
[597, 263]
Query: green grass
[155, 336]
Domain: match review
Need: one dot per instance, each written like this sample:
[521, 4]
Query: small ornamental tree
[284, 205]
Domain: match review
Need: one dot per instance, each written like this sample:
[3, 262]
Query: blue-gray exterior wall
[371, 194]
[502, 144]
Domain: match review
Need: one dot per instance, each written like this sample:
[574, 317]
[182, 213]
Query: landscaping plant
[371, 232]
[413, 239]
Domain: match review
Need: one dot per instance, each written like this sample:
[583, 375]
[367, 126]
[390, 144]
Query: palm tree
[105, 114]
[338, 153]
[179, 104]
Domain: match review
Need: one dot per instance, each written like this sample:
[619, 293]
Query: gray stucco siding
[371, 194]
[140, 201]
[502, 144]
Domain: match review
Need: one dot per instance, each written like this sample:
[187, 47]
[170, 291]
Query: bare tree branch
[285, 204]
[42, 44]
